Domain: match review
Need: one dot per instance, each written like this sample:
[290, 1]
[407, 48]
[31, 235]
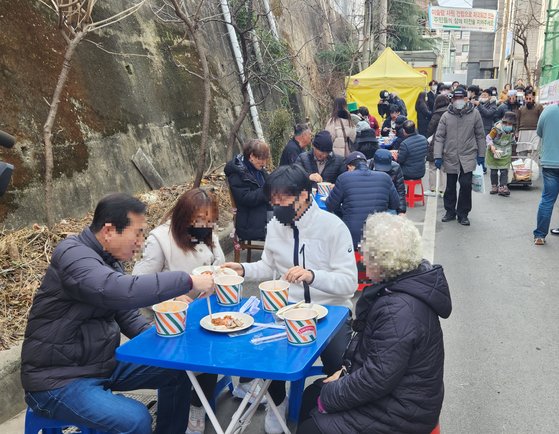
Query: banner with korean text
[462, 19]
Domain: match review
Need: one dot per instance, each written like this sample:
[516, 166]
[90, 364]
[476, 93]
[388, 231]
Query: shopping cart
[523, 168]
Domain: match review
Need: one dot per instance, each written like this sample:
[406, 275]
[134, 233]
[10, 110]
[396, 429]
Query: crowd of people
[388, 353]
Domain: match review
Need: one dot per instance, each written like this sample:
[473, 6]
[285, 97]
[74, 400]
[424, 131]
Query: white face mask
[459, 104]
[483, 100]
[434, 88]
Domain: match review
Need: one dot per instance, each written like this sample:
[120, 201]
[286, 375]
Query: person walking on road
[500, 141]
[548, 130]
[528, 116]
[459, 146]
[487, 108]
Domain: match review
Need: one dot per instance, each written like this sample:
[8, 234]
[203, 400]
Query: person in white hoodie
[186, 240]
[313, 250]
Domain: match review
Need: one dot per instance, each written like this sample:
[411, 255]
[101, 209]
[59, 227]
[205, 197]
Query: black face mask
[199, 234]
[285, 214]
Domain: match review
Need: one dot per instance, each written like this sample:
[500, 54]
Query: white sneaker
[196, 420]
[429, 193]
[271, 422]
[241, 389]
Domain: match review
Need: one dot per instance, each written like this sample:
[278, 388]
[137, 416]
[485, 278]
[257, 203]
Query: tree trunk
[49, 123]
[193, 30]
[238, 122]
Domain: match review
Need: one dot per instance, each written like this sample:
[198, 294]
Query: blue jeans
[90, 402]
[549, 196]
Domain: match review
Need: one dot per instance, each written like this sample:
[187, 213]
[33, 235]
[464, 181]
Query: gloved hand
[438, 163]
[480, 161]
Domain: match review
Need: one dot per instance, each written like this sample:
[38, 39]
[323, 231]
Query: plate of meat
[227, 322]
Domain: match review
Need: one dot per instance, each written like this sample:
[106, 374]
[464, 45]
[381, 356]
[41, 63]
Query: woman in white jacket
[184, 241]
[341, 128]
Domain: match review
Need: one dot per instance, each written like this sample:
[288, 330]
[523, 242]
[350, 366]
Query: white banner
[462, 19]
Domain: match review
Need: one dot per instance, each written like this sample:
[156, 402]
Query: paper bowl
[228, 290]
[170, 318]
[274, 295]
[300, 325]
[210, 268]
[324, 188]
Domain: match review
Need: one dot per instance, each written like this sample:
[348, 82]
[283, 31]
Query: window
[464, 66]
[465, 48]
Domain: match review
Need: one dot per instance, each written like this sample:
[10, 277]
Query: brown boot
[506, 191]
[494, 189]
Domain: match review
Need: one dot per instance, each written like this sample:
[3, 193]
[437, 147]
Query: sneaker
[242, 389]
[271, 422]
[554, 231]
[539, 241]
[441, 193]
[494, 189]
[464, 221]
[196, 420]
[506, 191]
[430, 193]
[448, 217]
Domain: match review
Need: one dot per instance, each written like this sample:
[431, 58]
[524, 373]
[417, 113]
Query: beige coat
[334, 127]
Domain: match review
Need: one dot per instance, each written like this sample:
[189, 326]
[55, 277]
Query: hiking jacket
[83, 304]
[358, 194]
[333, 168]
[411, 156]
[460, 139]
[395, 361]
[290, 153]
[251, 202]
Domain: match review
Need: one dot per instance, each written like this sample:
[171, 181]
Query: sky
[456, 3]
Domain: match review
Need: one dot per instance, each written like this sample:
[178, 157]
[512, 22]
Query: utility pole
[504, 38]
[383, 14]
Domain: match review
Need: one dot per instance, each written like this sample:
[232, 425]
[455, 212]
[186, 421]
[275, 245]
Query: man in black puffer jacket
[360, 192]
[413, 152]
[68, 366]
[321, 163]
[393, 367]
[246, 177]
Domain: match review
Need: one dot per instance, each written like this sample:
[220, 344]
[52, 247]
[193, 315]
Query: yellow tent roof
[390, 66]
[390, 73]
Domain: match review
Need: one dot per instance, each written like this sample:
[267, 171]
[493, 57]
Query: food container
[274, 295]
[324, 188]
[170, 318]
[300, 325]
[211, 269]
[228, 290]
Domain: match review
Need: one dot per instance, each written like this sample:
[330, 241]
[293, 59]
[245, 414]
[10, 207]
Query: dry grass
[25, 253]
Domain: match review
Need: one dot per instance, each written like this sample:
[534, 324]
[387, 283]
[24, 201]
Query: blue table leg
[296, 393]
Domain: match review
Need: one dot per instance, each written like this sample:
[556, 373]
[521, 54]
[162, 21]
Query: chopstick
[293, 306]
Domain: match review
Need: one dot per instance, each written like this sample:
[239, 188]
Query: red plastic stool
[411, 196]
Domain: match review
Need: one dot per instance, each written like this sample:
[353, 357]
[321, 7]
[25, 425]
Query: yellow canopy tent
[390, 73]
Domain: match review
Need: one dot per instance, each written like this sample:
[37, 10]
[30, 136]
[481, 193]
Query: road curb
[11, 399]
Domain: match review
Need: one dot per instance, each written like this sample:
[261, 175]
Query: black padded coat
[396, 358]
[83, 304]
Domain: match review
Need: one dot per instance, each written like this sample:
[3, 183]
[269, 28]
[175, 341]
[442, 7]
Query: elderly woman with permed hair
[392, 375]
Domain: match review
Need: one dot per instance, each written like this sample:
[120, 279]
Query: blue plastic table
[199, 350]
[320, 202]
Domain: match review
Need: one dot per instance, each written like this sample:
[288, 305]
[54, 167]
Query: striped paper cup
[228, 289]
[324, 188]
[274, 294]
[170, 318]
[300, 325]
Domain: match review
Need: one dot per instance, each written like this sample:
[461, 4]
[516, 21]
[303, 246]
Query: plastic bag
[478, 180]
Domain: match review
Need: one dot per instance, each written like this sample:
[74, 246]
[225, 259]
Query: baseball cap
[383, 160]
[355, 155]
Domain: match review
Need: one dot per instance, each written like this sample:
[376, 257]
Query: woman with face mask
[487, 109]
[185, 240]
[500, 141]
